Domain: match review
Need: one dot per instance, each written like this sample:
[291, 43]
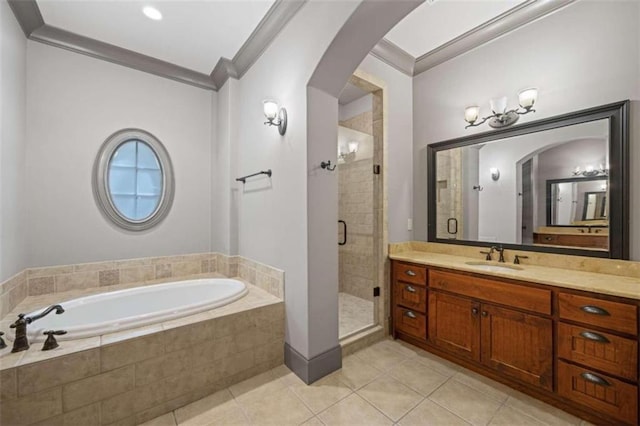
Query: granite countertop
[578, 280]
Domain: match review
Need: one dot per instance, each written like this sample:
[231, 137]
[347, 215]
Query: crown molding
[32, 23]
[108, 52]
[502, 24]
[27, 14]
[393, 55]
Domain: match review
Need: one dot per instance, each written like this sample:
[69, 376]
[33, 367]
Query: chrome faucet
[21, 343]
[500, 250]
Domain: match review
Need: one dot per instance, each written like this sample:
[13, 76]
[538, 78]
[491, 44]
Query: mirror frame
[618, 116]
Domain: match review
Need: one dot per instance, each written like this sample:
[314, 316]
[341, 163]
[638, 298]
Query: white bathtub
[135, 307]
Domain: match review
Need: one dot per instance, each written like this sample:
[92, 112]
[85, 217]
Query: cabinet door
[454, 324]
[518, 345]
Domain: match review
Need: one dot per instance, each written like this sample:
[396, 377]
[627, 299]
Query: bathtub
[136, 307]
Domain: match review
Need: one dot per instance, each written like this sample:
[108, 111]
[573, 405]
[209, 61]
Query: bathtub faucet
[21, 343]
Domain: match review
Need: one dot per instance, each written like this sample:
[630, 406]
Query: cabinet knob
[474, 311]
[410, 273]
[485, 313]
[595, 310]
[410, 289]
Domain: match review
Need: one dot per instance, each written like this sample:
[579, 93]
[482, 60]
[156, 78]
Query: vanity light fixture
[590, 171]
[495, 173]
[501, 117]
[275, 115]
[152, 13]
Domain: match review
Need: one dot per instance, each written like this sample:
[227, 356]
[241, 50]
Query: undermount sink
[493, 267]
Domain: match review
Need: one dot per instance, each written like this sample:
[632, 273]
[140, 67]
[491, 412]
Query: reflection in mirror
[541, 188]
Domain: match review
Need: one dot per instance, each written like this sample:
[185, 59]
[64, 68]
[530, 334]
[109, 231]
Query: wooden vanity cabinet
[575, 349]
[514, 343]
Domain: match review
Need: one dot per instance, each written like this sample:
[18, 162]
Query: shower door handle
[344, 240]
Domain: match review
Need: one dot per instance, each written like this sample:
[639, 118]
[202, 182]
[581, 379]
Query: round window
[133, 180]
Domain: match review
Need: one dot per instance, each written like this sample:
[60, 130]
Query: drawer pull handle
[410, 315]
[410, 273]
[596, 337]
[410, 289]
[595, 310]
[593, 378]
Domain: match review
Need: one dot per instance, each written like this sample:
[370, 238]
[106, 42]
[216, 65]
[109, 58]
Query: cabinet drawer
[599, 392]
[602, 351]
[513, 295]
[410, 322]
[410, 273]
[602, 313]
[410, 296]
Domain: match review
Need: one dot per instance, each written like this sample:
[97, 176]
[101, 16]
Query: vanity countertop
[614, 285]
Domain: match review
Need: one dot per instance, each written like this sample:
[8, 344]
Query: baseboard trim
[310, 370]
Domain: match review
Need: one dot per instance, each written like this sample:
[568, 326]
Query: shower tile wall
[355, 180]
[448, 195]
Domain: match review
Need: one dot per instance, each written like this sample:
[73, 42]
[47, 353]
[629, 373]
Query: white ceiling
[192, 34]
[433, 24]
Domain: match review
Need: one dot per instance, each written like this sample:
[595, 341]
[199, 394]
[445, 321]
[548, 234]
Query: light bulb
[498, 105]
[353, 147]
[152, 13]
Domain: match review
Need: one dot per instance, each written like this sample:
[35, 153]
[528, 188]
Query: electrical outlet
[410, 224]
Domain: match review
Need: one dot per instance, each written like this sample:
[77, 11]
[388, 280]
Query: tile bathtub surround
[623, 268]
[133, 376]
[407, 386]
[151, 270]
[12, 292]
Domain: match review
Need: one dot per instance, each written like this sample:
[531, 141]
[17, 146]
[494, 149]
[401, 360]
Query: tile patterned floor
[354, 313]
[389, 383]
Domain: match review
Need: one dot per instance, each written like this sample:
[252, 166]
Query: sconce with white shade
[275, 115]
[501, 117]
[590, 171]
[495, 173]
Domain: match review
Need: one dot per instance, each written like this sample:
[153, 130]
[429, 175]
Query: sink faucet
[500, 250]
[21, 343]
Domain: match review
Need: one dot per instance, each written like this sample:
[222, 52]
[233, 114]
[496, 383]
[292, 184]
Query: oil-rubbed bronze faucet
[21, 343]
[499, 250]
[51, 342]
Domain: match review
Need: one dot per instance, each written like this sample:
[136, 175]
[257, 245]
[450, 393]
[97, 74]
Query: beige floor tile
[219, 408]
[418, 377]
[280, 408]
[166, 420]
[441, 365]
[390, 396]
[355, 373]
[323, 393]
[353, 410]
[381, 356]
[400, 346]
[507, 416]
[428, 413]
[489, 387]
[541, 411]
[257, 386]
[314, 421]
[286, 376]
[468, 403]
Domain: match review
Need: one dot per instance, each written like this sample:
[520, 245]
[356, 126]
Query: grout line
[175, 419]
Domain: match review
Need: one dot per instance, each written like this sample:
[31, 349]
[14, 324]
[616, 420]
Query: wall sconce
[495, 173]
[501, 117]
[352, 149]
[275, 116]
[590, 171]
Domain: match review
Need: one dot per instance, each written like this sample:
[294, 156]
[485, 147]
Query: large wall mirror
[555, 185]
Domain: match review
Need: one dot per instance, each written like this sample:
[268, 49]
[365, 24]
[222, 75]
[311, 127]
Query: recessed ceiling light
[152, 13]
